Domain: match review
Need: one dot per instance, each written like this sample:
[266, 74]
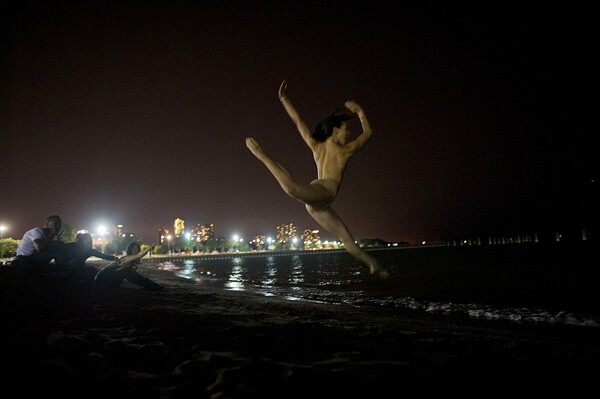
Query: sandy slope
[187, 341]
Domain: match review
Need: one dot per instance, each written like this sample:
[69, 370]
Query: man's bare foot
[378, 270]
[253, 145]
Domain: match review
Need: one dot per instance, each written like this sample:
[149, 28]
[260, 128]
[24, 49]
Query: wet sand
[66, 338]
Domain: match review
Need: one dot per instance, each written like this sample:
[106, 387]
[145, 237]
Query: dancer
[331, 152]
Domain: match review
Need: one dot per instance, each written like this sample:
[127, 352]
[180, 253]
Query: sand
[66, 338]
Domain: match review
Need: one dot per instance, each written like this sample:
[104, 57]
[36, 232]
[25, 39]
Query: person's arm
[362, 139]
[42, 240]
[135, 257]
[294, 115]
[101, 255]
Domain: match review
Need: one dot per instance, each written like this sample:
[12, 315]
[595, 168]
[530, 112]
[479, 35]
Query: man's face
[342, 133]
[54, 227]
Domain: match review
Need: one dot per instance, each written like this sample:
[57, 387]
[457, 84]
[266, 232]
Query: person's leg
[329, 220]
[307, 193]
[40, 261]
[109, 276]
[136, 278]
[88, 273]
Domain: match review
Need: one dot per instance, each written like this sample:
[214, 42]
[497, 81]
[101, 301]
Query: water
[524, 283]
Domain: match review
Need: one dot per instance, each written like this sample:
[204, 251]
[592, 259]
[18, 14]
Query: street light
[101, 233]
[188, 237]
[169, 244]
[2, 228]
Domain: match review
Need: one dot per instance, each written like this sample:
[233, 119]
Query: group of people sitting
[42, 249]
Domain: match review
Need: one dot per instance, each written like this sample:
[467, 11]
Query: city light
[2, 229]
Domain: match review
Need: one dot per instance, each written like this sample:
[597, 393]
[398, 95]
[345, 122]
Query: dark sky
[136, 112]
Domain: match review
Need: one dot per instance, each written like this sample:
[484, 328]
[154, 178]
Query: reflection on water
[336, 278]
[236, 275]
[297, 275]
[270, 276]
[188, 270]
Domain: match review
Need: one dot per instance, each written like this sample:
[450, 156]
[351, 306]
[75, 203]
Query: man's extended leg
[310, 193]
[329, 220]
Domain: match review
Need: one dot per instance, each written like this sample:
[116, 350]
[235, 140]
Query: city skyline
[136, 112]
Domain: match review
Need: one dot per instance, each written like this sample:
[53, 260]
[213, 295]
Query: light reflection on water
[271, 272]
[297, 276]
[236, 275]
[338, 279]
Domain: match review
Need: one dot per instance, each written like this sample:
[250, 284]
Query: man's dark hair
[325, 128]
[82, 236]
[56, 220]
[131, 246]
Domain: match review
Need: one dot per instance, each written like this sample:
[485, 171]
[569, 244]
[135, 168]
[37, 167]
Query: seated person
[113, 274]
[40, 245]
[73, 255]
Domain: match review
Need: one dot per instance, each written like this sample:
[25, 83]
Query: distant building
[310, 237]
[205, 232]
[178, 226]
[286, 232]
[162, 235]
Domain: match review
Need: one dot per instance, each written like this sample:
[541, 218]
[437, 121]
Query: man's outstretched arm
[294, 115]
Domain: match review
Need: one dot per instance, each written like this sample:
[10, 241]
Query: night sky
[135, 112]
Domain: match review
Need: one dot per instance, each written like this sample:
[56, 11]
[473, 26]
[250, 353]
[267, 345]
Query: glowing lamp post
[101, 233]
[235, 240]
[2, 228]
[169, 244]
[188, 237]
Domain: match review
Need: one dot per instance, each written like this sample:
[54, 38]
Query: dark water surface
[526, 283]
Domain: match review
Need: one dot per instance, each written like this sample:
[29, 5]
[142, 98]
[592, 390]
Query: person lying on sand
[331, 151]
[72, 257]
[124, 268]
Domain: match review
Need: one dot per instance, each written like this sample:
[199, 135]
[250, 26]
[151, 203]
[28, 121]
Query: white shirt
[26, 246]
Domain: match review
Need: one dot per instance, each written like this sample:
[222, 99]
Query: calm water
[523, 283]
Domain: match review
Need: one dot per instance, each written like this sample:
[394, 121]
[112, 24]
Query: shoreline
[190, 340]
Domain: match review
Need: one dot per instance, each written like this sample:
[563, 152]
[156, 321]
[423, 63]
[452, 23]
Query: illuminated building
[286, 232]
[205, 232]
[118, 230]
[310, 237]
[178, 226]
[162, 235]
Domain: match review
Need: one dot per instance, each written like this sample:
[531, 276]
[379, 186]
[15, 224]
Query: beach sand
[65, 338]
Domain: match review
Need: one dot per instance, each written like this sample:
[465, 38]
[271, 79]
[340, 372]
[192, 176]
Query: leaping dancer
[331, 152]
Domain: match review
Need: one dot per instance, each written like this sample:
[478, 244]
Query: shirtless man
[331, 152]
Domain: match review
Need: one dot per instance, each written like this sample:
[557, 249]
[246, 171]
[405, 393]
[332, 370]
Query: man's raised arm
[294, 115]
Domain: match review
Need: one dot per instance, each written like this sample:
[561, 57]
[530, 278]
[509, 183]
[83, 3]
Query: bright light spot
[101, 230]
